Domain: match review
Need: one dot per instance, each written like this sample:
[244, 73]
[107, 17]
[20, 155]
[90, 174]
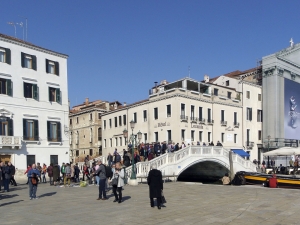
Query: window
[259, 115]
[249, 114]
[77, 138]
[30, 130]
[259, 97]
[31, 91]
[124, 119]
[52, 67]
[208, 136]
[54, 158]
[182, 109]
[235, 118]
[104, 143]
[155, 113]
[228, 94]
[91, 116]
[77, 120]
[6, 127]
[169, 134]
[145, 115]
[222, 115]
[134, 117]
[110, 124]
[248, 94]
[91, 152]
[200, 114]
[227, 82]
[192, 135]
[216, 91]
[104, 124]
[110, 140]
[200, 135]
[77, 152]
[235, 138]
[145, 138]
[99, 134]
[248, 136]
[222, 137]
[120, 120]
[54, 131]
[6, 87]
[31, 159]
[182, 135]
[5, 55]
[28, 61]
[91, 135]
[209, 115]
[70, 121]
[116, 141]
[99, 116]
[259, 135]
[116, 121]
[169, 113]
[54, 95]
[120, 138]
[192, 111]
[156, 136]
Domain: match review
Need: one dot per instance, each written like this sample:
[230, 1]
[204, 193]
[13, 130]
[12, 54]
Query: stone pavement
[187, 203]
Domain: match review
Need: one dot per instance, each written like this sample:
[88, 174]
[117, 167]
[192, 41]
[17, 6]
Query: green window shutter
[48, 130]
[58, 97]
[24, 87]
[49, 92]
[23, 59]
[8, 58]
[10, 127]
[9, 86]
[250, 114]
[35, 91]
[47, 63]
[36, 130]
[33, 57]
[57, 68]
[24, 129]
[58, 131]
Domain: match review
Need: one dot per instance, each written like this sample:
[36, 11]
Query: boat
[284, 181]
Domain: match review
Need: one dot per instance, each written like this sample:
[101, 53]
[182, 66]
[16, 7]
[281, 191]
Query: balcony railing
[201, 120]
[249, 144]
[210, 121]
[194, 119]
[236, 124]
[10, 141]
[223, 123]
[184, 118]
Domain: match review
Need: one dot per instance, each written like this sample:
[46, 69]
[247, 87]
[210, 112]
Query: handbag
[114, 181]
[163, 199]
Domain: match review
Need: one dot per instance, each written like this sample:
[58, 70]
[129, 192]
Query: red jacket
[273, 182]
[28, 168]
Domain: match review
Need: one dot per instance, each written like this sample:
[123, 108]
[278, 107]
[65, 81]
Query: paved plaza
[187, 203]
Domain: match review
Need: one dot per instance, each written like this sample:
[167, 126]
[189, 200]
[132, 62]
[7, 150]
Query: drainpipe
[231, 165]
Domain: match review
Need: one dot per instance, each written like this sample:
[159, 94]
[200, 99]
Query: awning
[240, 152]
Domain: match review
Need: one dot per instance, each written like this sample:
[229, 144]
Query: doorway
[5, 158]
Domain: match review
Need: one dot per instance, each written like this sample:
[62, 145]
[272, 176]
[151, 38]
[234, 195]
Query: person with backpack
[33, 175]
[7, 177]
[101, 172]
[118, 175]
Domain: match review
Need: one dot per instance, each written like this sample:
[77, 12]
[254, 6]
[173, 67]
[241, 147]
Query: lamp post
[133, 180]
[269, 137]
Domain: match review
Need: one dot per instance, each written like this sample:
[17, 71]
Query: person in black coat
[155, 183]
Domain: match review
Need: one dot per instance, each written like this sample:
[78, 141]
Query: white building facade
[33, 105]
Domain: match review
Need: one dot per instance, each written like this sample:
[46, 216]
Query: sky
[118, 49]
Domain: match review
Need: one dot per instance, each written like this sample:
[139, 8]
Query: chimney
[124, 104]
[206, 78]
[115, 105]
[86, 101]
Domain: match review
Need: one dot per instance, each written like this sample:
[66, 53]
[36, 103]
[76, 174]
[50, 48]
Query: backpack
[108, 172]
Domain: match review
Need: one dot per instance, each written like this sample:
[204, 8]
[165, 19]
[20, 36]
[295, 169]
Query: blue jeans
[98, 180]
[32, 190]
[102, 188]
[6, 184]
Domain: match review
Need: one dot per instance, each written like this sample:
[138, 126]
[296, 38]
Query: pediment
[290, 55]
[6, 113]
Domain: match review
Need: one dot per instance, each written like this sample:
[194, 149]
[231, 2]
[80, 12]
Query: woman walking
[56, 174]
[50, 173]
[68, 175]
[155, 183]
[44, 171]
[119, 175]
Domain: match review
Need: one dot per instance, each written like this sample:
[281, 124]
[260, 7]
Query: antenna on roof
[14, 25]
[21, 25]
[25, 27]
[189, 72]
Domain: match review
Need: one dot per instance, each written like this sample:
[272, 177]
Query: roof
[28, 43]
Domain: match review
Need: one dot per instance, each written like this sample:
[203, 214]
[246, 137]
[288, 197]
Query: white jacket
[120, 174]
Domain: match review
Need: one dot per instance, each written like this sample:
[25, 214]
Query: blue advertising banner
[291, 109]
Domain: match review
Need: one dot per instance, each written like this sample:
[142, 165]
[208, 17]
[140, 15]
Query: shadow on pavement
[17, 188]
[7, 196]
[47, 194]
[9, 203]
[125, 198]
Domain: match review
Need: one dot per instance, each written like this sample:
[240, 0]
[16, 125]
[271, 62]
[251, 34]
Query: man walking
[39, 169]
[63, 171]
[13, 171]
[33, 175]
[155, 183]
[7, 177]
[101, 172]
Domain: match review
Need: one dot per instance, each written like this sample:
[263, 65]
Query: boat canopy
[284, 151]
[240, 152]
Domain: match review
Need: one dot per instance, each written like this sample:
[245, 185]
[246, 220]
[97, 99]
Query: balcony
[236, 124]
[223, 123]
[249, 144]
[184, 118]
[10, 141]
[202, 121]
[210, 121]
[194, 119]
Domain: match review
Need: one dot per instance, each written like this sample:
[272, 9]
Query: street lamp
[269, 137]
[134, 142]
